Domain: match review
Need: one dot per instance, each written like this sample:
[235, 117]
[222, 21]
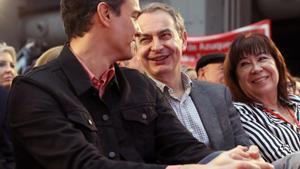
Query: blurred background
[32, 26]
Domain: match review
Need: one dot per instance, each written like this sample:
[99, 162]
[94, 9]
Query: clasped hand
[238, 158]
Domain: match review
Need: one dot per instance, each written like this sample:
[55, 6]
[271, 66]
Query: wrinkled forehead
[156, 23]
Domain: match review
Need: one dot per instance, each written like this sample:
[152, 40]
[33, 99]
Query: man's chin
[161, 71]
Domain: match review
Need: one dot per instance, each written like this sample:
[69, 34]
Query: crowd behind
[240, 98]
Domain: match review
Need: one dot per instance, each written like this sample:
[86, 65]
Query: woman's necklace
[295, 123]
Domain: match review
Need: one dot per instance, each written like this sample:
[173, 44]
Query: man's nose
[156, 45]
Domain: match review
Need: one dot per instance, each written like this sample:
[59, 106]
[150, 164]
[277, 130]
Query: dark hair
[208, 59]
[253, 44]
[77, 14]
[178, 19]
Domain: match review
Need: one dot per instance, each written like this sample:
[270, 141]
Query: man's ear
[184, 40]
[103, 13]
[201, 74]
[133, 47]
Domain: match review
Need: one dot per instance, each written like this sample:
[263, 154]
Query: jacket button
[111, 154]
[90, 121]
[144, 116]
[105, 117]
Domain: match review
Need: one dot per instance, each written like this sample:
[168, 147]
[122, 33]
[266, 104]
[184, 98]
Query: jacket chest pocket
[83, 121]
[141, 115]
[140, 121]
[140, 124]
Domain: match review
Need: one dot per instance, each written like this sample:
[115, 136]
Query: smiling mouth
[260, 79]
[159, 58]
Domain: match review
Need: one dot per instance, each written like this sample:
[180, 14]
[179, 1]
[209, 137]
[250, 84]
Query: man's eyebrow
[136, 14]
[137, 35]
[140, 34]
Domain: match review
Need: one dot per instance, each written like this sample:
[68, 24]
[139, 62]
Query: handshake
[237, 158]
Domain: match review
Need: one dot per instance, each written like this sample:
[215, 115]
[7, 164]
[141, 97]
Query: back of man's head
[77, 14]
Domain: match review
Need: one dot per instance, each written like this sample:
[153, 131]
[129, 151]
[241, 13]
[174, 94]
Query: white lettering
[215, 46]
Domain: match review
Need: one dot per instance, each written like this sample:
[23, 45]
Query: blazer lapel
[208, 115]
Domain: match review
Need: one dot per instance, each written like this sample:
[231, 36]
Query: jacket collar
[78, 77]
[186, 81]
[74, 71]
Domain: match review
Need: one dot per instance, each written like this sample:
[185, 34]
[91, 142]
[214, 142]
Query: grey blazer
[218, 115]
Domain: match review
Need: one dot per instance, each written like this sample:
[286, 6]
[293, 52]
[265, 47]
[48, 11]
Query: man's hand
[237, 158]
[242, 158]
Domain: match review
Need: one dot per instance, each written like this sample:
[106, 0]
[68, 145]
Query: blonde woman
[7, 65]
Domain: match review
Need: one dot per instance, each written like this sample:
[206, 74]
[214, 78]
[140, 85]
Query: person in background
[6, 149]
[189, 71]
[210, 68]
[297, 85]
[3, 100]
[7, 74]
[134, 62]
[256, 74]
[293, 84]
[81, 111]
[205, 109]
[48, 55]
[7, 65]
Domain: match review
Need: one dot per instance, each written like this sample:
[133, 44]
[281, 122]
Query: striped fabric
[274, 137]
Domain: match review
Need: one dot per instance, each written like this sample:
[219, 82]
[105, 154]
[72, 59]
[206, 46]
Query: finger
[252, 165]
[254, 152]
[264, 165]
[242, 148]
[239, 152]
[236, 156]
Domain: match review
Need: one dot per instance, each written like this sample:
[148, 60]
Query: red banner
[219, 43]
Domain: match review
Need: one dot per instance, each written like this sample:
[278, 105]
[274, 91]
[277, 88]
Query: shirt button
[105, 117]
[144, 116]
[111, 154]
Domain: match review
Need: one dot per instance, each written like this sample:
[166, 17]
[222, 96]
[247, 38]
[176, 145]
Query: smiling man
[205, 109]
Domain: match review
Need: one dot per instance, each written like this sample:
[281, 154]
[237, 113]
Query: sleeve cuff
[210, 157]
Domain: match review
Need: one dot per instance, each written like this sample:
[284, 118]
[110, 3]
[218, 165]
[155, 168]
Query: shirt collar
[100, 81]
[288, 102]
[186, 81]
